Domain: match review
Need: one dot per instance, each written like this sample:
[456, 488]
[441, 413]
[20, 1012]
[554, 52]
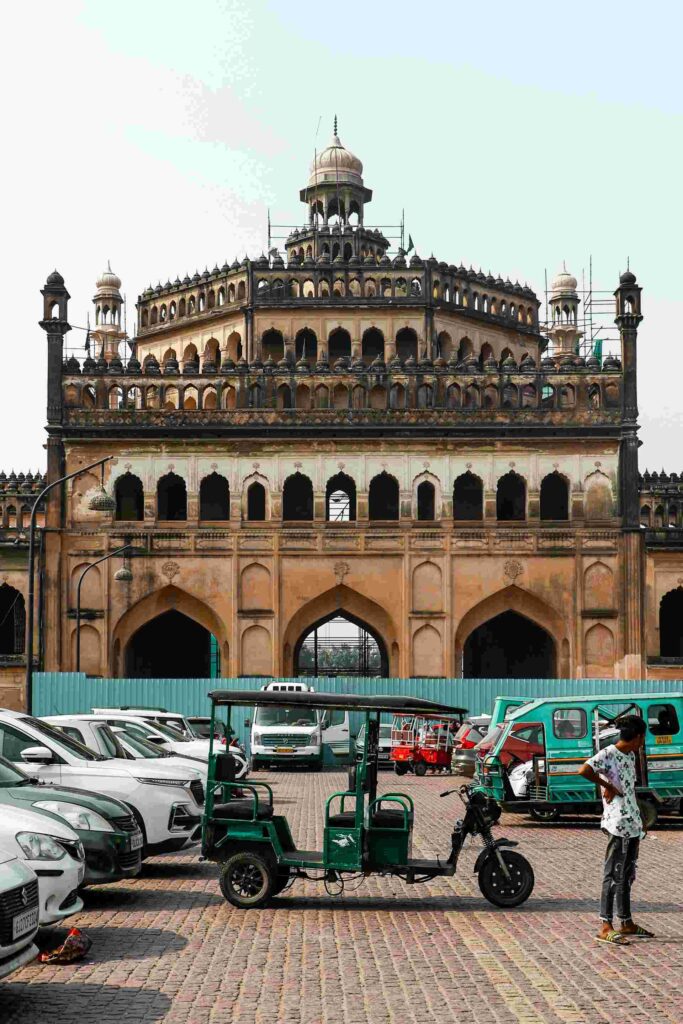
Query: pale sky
[157, 135]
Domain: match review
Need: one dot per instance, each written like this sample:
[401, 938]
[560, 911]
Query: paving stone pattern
[168, 948]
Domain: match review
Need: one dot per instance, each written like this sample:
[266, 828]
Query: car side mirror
[155, 737]
[325, 721]
[37, 755]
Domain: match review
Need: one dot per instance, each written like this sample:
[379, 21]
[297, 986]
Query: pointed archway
[351, 605]
[197, 621]
[527, 607]
[340, 645]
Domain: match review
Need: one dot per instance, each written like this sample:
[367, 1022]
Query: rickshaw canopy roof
[535, 704]
[340, 701]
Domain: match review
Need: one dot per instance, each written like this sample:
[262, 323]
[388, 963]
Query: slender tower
[628, 317]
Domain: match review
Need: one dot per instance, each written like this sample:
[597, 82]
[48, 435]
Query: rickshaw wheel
[420, 768]
[247, 880]
[498, 889]
[400, 768]
[545, 814]
[648, 813]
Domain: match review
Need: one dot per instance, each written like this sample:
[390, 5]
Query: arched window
[468, 498]
[297, 498]
[272, 345]
[12, 620]
[372, 345]
[444, 344]
[511, 498]
[424, 396]
[645, 516]
[129, 496]
[306, 345]
[254, 396]
[554, 497]
[340, 499]
[339, 345]
[383, 497]
[284, 397]
[397, 397]
[214, 498]
[256, 503]
[406, 344]
[670, 624]
[171, 498]
[426, 500]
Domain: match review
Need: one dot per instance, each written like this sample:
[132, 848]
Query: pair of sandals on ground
[628, 930]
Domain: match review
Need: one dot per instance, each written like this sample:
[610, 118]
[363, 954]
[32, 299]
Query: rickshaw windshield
[494, 739]
[265, 716]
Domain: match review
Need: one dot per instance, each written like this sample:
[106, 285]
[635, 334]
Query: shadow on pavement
[145, 899]
[35, 1002]
[535, 905]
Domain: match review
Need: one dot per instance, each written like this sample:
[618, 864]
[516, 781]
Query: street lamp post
[31, 560]
[119, 575]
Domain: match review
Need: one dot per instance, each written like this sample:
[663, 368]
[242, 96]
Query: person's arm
[588, 771]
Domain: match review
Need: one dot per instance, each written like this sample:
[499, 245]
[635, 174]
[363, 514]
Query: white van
[305, 737]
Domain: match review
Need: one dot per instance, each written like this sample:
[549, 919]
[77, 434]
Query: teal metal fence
[61, 693]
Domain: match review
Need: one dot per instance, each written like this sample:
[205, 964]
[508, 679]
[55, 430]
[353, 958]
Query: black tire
[247, 880]
[420, 768]
[648, 813]
[544, 814]
[499, 890]
[281, 881]
[402, 769]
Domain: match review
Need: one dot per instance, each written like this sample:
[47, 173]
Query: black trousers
[621, 858]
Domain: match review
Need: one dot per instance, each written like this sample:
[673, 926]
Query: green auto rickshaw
[364, 833]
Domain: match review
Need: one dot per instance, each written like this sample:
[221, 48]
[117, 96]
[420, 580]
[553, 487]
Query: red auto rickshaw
[420, 743]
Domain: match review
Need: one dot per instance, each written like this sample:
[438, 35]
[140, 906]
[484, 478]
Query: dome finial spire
[335, 125]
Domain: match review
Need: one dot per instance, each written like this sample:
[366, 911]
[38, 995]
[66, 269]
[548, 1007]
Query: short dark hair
[631, 726]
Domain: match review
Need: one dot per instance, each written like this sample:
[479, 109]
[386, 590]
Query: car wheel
[544, 814]
[420, 768]
[247, 880]
[400, 768]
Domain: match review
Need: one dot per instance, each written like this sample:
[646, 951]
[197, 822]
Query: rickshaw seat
[345, 819]
[243, 810]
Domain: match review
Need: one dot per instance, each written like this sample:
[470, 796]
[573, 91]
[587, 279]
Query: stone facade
[489, 470]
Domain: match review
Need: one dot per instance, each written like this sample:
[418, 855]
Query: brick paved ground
[168, 948]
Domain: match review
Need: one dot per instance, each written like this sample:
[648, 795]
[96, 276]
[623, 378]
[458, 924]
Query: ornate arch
[344, 600]
[159, 601]
[515, 599]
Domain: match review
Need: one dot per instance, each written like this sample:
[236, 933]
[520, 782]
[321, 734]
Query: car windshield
[385, 732]
[137, 745]
[202, 728]
[285, 716]
[78, 750]
[11, 776]
[165, 731]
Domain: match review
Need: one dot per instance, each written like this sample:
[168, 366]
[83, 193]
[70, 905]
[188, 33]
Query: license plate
[136, 841]
[663, 739]
[284, 750]
[25, 922]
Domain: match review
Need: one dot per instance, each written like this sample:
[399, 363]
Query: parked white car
[160, 716]
[167, 802]
[19, 912]
[53, 850]
[166, 736]
[115, 741]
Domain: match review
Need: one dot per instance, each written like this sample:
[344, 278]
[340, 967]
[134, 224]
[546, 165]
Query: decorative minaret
[55, 324]
[628, 317]
[108, 303]
[564, 308]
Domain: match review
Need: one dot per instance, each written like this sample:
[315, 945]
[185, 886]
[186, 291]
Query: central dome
[335, 162]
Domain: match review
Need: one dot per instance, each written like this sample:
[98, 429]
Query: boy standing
[614, 770]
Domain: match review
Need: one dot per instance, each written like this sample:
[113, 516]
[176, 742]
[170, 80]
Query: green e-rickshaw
[364, 833]
[572, 729]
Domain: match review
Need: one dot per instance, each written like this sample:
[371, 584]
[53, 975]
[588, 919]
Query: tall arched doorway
[509, 646]
[172, 646]
[340, 645]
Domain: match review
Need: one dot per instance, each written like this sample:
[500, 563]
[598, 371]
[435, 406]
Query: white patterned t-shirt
[621, 816]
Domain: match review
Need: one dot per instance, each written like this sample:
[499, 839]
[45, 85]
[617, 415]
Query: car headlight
[78, 817]
[165, 782]
[37, 846]
[256, 737]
